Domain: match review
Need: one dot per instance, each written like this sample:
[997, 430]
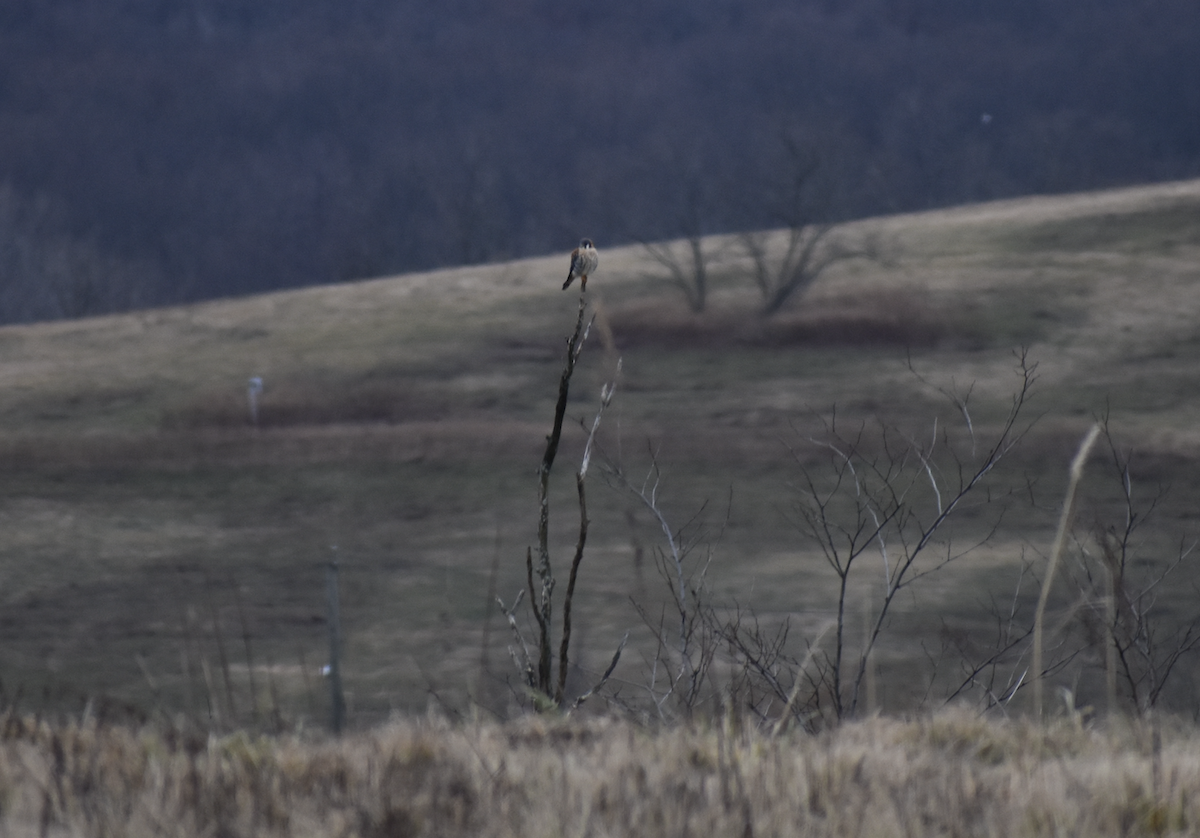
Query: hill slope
[151, 532]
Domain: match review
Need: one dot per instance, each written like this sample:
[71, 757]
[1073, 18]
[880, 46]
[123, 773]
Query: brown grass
[952, 774]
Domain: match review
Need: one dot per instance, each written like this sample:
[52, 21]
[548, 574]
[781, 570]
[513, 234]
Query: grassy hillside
[156, 545]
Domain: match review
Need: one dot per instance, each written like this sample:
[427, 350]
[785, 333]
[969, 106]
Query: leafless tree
[1113, 618]
[995, 670]
[697, 205]
[686, 635]
[1143, 641]
[687, 264]
[800, 204]
[885, 494]
[46, 273]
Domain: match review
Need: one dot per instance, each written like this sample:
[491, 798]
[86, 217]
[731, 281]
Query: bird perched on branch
[584, 260]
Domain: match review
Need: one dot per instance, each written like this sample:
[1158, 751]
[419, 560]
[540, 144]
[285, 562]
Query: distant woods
[156, 152]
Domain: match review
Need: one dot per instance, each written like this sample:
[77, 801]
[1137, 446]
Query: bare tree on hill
[697, 203]
[800, 205]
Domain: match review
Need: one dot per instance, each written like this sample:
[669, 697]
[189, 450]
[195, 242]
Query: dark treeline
[155, 151]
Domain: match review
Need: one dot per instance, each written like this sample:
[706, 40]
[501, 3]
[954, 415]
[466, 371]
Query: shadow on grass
[293, 403]
[886, 319]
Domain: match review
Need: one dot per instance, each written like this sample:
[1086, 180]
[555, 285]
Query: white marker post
[254, 388]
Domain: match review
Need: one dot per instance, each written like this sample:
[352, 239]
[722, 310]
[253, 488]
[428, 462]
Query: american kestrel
[584, 260]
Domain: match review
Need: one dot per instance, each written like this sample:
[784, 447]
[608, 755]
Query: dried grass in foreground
[950, 774]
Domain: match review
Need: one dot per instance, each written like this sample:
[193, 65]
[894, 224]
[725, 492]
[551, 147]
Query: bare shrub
[1138, 639]
[685, 634]
[1114, 632]
[880, 505]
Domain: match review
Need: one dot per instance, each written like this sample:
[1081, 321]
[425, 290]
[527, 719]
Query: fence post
[337, 698]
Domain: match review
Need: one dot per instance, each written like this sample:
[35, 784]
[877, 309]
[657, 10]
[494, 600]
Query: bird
[584, 260]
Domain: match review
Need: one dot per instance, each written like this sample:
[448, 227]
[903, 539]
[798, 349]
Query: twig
[607, 674]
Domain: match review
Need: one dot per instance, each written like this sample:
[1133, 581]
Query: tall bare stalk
[548, 692]
[1060, 538]
[541, 598]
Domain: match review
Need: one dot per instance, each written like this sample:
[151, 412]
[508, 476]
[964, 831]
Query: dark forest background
[160, 151]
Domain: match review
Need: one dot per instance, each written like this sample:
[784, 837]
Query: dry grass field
[163, 557]
[951, 774]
